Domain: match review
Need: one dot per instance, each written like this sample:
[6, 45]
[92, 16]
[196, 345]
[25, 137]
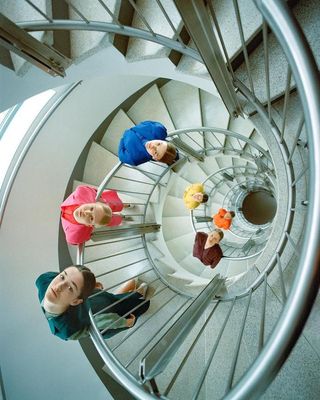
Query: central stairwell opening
[259, 207]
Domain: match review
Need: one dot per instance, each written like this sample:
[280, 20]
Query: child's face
[65, 289]
[213, 237]
[198, 197]
[89, 214]
[156, 148]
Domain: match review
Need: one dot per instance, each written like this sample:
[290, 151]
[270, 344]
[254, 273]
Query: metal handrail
[226, 132]
[306, 282]
[80, 257]
[109, 27]
[156, 360]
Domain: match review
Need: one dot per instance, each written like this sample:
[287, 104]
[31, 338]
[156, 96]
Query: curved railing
[151, 177]
[298, 301]
[255, 236]
[305, 286]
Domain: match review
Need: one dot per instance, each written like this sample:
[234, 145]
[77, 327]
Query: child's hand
[99, 285]
[131, 321]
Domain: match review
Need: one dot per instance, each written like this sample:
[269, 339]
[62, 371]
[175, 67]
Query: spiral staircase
[209, 334]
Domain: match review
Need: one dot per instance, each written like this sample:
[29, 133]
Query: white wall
[35, 364]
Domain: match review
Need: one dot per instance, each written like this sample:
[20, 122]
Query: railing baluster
[119, 268]
[176, 34]
[103, 310]
[146, 173]
[294, 246]
[113, 241]
[212, 146]
[216, 139]
[212, 353]
[136, 354]
[128, 191]
[112, 15]
[185, 358]
[305, 169]
[194, 141]
[115, 254]
[235, 359]
[266, 64]
[133, 4]
[299, 130]
[240, 145]
[121, 282]
[283, 288]
[158, 164]
[263, 313]
[243, 44]
[124, 231]
[158, 357]
[145, 321]
[75, 9]
[124, 316]
[38, 10]
[216, 24]
[131, 180]
[105, 181]
[185, 148]
[285, 104]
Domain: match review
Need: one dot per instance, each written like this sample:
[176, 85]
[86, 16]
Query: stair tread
[150, 106]
[114, 132]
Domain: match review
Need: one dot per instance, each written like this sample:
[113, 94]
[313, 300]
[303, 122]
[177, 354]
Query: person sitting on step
[80, 213]
[64, 299]
[223, 219]
[194, 195]
[144, 142]
[206, 247]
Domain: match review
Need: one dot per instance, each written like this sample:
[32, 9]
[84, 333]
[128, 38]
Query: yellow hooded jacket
[189, 202]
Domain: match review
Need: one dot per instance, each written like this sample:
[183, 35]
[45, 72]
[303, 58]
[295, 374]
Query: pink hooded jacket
[76, 234]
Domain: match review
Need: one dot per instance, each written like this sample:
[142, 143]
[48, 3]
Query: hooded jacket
[132, 149]
[78, 233]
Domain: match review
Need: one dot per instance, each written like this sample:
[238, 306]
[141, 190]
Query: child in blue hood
[144, 142]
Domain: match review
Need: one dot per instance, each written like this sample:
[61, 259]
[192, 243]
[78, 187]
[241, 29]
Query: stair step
[179, 186]
[181, 246]
[173, 227]
[225, 14]
[174, 207]
[257, 138]
[192, 264]
[150, 106]
[142, 49]
[99, 162]
[241, 125]
[183, 104]
[84, 44]
[210, 165]
[191, 66]
[214, 112]
[194, 173]
[307, 15]
[113, 134]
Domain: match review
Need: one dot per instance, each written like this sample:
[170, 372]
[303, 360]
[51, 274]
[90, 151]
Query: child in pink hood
[80, 213]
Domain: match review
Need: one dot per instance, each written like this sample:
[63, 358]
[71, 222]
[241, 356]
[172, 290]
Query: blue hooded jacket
[132, 149]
